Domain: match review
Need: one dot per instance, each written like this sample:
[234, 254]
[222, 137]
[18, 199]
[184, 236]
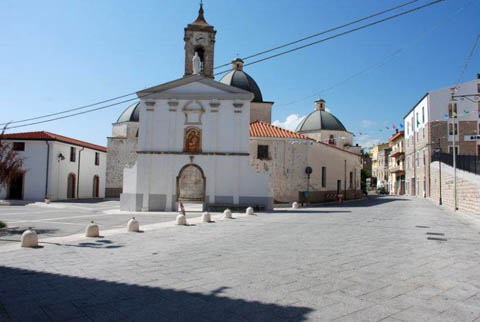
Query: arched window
[201, 54]
[193, 140]
[331, 140]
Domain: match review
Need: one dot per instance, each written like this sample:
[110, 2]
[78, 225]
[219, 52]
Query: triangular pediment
[195, 85]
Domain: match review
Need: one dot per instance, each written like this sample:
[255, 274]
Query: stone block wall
[468, 188]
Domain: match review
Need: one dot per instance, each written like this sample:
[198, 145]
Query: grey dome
[240, 79]
[320, 120]
[131, 114]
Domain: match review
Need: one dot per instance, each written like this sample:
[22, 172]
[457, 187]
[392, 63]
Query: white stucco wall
[35, 164]
[224, 125]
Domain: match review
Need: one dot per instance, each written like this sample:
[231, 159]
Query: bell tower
[200, 38]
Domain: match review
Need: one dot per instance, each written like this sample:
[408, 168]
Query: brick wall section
[468, 189]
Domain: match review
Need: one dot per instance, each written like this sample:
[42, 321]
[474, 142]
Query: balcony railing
[397, 151]
[397, 168]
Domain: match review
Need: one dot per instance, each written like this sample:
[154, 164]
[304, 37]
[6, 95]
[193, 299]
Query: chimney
[319, 105]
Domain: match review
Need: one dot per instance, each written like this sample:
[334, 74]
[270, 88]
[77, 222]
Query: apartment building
[432, 124]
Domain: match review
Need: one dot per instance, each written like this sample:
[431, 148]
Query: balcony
[397, 151]
[397, 168]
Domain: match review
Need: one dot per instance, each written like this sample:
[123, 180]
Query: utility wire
[381, 63]
[69, 110]
[80, 113]
[245, 58]
[341, 34]
[324, 32]
[252, 63]
[469, 58]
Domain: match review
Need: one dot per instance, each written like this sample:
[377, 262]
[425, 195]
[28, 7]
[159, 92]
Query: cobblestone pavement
[375, 260]
[66, 218]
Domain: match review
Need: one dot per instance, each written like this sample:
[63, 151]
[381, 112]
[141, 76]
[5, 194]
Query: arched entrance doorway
[71, 186]
[96, 187]
[191, 185]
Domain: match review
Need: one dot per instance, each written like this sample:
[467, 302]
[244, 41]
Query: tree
[10, 162]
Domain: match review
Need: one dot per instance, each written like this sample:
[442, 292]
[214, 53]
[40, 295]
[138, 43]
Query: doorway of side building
[96, 187]
[15, 188]
[71, 183]
[339, 186]
[191, 188]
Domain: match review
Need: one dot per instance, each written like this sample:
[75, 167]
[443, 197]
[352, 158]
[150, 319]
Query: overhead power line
[384, 61]
[325, 31]
[469, 58]
[245, 58]
[341, 34]
[251, 63]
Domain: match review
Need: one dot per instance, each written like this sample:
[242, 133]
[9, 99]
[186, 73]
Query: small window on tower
[262, 152]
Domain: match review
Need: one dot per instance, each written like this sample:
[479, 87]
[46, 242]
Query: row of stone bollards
[30, 238]
[207, 218]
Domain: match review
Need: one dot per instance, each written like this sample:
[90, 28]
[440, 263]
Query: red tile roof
[266, 130]
[396, 136]
[47, 136]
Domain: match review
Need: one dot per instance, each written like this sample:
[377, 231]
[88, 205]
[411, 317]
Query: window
[18, 146]
[351, 179]
[331, 139]
[452, 110]
[324, 177]
[73, 154]
[262, 152]
[450, 129]
[450, 150]
[417, 161]
[424, 161]
[417, 120]
[423, 114]
[478, 88]
[424, 132]
[97, 158]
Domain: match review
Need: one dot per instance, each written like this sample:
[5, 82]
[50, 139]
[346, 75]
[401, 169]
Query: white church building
[193, 139]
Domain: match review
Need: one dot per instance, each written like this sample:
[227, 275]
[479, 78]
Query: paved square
[375, 260]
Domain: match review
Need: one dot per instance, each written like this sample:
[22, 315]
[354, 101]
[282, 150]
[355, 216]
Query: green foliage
[2, 224]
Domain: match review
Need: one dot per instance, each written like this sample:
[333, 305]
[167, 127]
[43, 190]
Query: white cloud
[290, 123]
[366, 141]
[367, 123]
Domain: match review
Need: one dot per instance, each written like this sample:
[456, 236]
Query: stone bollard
[29, 238]
[249, 211]
[295, 205]
[206, 217]
[133, 225]
[227, 214]
[181, 220]
[92, 230]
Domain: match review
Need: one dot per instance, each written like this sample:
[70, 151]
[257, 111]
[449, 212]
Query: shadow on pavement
[371, 201]
[305, 211]
[28, 295]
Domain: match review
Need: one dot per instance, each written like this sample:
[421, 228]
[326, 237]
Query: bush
[2, 224]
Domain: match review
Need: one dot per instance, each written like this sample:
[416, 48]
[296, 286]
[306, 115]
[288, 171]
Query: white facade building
[56, 167]
[193, 142]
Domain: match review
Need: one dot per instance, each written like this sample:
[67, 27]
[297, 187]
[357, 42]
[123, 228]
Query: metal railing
[469, 163]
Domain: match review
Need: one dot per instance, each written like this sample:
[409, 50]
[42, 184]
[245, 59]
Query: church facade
[193, 139]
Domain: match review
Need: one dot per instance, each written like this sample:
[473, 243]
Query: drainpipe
[78, 171]
[48, 166]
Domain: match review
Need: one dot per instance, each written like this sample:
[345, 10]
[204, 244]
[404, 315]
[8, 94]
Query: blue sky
[61, 54]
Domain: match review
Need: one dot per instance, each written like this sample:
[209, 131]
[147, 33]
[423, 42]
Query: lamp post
[453, 116]
[439, 151]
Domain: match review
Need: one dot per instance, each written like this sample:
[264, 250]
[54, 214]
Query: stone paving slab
[365, 261]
